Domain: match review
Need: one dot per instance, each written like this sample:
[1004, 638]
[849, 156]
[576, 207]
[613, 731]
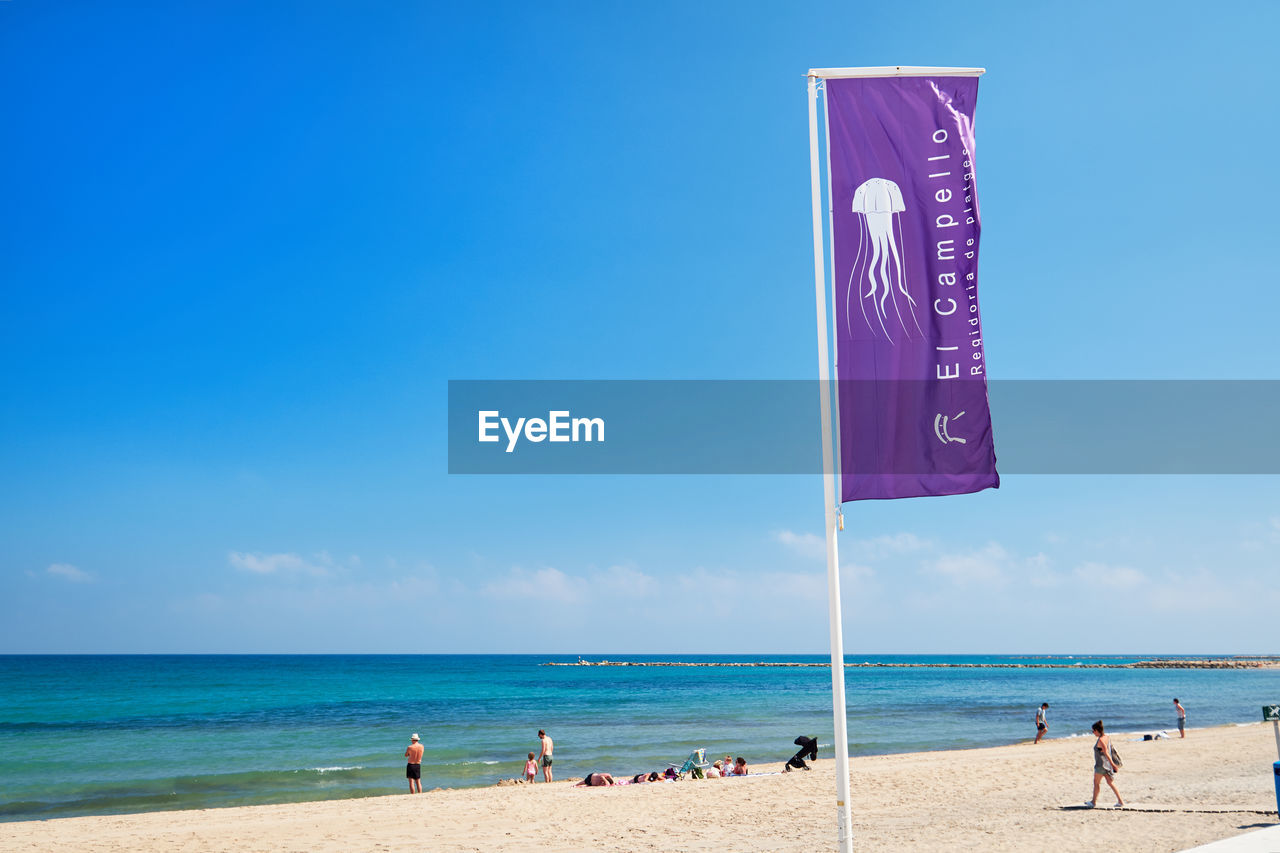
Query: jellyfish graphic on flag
[878, 268]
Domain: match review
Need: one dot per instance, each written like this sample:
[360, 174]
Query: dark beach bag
[1115, 759]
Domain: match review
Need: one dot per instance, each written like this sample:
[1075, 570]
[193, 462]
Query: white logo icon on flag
[940, 428]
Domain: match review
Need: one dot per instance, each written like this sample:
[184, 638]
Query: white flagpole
[843, 813]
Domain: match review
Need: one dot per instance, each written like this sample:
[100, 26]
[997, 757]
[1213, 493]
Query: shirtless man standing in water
[544, 757]
[413, 770]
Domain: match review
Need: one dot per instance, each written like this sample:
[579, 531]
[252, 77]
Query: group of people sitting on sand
[736, 767]
[697, 767]
[730, 766]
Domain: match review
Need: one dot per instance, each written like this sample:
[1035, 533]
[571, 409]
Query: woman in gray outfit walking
[1103, 766]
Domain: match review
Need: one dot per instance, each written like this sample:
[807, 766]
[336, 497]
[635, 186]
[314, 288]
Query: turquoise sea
[109, 734]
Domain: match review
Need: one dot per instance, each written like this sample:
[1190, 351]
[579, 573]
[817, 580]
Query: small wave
[335, 769]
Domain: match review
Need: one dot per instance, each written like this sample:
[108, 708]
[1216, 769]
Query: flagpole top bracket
[894, 71]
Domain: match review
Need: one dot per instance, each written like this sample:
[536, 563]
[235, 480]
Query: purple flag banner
[910, 364]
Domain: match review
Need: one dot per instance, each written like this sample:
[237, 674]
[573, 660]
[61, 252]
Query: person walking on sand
[1103, 766]
[1182, 718]
[1042, 722]
[544, 757]
[413, 770]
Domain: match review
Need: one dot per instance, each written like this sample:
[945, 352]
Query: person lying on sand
[595, 780]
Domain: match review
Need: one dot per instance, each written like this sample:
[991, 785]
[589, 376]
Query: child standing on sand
[530, 769]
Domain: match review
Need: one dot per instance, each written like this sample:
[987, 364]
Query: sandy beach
[1214, 784]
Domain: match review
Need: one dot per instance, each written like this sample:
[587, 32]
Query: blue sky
[244, 247]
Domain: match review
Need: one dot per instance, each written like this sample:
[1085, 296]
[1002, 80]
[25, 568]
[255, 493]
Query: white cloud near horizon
[1261, 537]
[282, 564]
[1108, 576]
[994, 565]
[857, 573]
[545, 584]
[552, 585]
[623, 590]
[68, 572]
[1038, 571]
[728, 588]
[804, 544]
[987, 565]
[981, 594]
[874, 548]
[889, 545]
